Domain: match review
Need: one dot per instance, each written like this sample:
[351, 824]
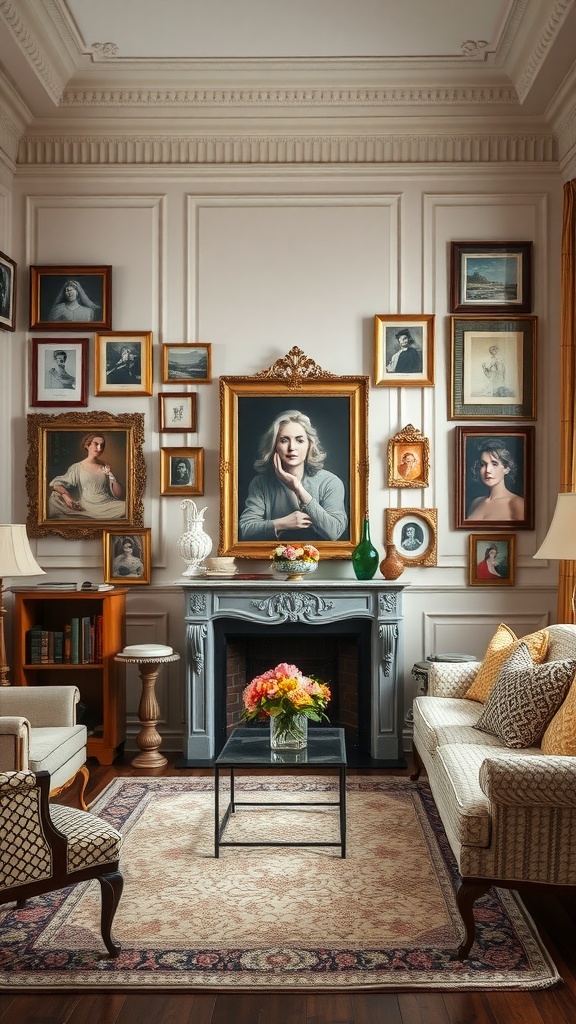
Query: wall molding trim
[115, 150]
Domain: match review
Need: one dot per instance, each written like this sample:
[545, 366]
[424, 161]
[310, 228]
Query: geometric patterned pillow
[525, 698]
[501, 646]
[560, 736]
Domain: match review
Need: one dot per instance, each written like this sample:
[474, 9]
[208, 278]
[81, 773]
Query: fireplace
[346, 632]
[337, 653]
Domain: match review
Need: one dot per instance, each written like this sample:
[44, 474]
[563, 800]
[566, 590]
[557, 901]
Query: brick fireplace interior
[336, 653]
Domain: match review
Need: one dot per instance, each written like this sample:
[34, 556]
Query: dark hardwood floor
[556, 921]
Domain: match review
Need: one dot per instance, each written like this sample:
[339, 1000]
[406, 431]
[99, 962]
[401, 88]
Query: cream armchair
[38, 732]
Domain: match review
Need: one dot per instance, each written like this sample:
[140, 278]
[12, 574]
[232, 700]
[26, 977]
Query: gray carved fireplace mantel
[271, 603]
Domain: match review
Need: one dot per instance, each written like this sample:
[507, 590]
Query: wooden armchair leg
[71, 794]
[466, 895]
[111, 890]
[417, 764]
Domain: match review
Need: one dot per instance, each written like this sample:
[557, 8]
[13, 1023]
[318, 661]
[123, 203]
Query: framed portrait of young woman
[126, 556]
[495, 478]
[491, 559]
[293, 460]
[85, 472]
[71, 297]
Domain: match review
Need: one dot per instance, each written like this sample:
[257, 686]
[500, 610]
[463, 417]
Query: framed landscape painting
[293, 459]
[186, 364]
[491, 277]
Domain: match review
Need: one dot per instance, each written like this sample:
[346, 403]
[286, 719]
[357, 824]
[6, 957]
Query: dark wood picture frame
[337, 408]
[56, 446]
[123, 363]
[513, 462]
[493, 368]
[191, 462]
[91, 306]
[187, 363]
[7, 293]
[177, 412]
[491, 277]
[59, 372]
[485, 570]
[126, 556]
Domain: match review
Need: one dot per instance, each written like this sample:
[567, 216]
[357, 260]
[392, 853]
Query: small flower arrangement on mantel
[289, 699]
[296, 560]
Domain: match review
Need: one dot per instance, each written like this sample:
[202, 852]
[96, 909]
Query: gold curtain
[565, 612]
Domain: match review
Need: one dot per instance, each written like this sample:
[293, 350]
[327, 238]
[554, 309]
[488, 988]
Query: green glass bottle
[365, 558]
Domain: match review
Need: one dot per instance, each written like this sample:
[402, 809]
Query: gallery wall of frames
[155, 358]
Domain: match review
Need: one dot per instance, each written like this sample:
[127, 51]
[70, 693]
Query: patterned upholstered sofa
[509, 812]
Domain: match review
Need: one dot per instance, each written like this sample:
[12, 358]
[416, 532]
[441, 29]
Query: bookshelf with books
[72, 637]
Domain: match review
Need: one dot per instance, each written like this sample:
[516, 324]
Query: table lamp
[560, 541]
[16, 559]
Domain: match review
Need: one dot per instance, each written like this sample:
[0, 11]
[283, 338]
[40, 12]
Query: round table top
[154, 660]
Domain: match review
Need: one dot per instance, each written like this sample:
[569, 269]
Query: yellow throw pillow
[560, 736]
[502, 645]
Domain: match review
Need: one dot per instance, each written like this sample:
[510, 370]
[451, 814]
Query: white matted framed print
[59, 372]
[403, 350]
[177, 411]
[493, 368]
[414, 532]
[123, 363]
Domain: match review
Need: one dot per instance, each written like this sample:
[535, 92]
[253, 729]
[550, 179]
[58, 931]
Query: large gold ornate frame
[294, 377]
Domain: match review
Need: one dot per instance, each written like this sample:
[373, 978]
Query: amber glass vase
[391, 565]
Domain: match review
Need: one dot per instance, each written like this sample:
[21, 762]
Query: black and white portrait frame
[123, 363]
[337, 406]
[192, 482]
[414, 532]
[7, 293]
[59, 372]
[420, 332]
[47, 284]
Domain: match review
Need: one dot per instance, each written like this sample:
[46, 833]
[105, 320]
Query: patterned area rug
[294, 918]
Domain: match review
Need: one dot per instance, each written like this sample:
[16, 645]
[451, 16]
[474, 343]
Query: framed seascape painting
[177, 411]
[293, 459]
[403, 351]
[59, 372]
[493, 368]
[186, 364]
[414, 532]
[491, 559]
[85, 472]
[66, 298]
[182, 471]
[123, 363]
[495, 478]
[491, 277]
[408, 459]
[7, 293]
[126, 556]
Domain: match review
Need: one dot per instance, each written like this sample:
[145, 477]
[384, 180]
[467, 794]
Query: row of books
[78, 643]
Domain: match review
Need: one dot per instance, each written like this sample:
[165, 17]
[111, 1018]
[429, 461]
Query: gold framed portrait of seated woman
[293, 459]
[84, 472]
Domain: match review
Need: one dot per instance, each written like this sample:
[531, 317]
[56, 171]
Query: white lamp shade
[16, 558]
[560, 541]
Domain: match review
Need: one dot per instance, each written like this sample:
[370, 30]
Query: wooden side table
[148, 739]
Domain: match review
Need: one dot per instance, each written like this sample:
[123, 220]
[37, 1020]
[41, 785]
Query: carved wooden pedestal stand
[148, 739]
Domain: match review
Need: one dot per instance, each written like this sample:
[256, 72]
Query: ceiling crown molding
[32, 50]
[538, 55]
[152, 150]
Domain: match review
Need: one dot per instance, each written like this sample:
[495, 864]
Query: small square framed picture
[123, 363]
[68, 298]
[7, 293]
[182, 471]
[126, 556]
[177, 411]
[403, 351]
[186, 363]
[59, 372]
[414, 532]
[491, 559]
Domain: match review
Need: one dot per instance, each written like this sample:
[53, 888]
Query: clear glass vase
[288, 732]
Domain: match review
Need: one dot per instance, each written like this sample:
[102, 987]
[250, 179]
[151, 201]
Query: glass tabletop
[250, 747]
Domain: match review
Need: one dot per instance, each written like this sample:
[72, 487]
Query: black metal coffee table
[250, 748]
